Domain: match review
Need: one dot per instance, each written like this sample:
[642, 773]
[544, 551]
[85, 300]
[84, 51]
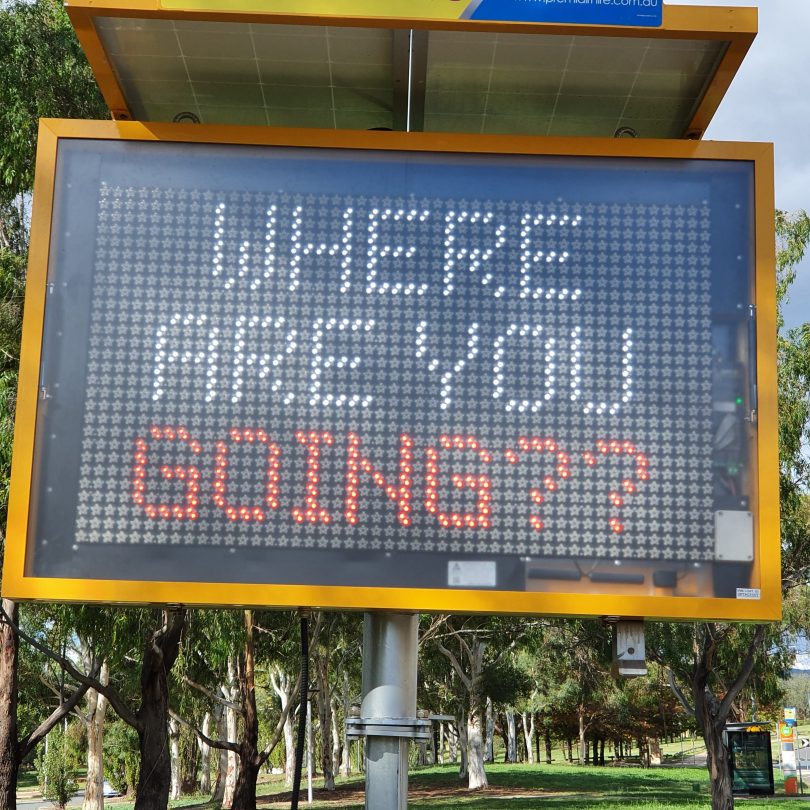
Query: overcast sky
[768, 101]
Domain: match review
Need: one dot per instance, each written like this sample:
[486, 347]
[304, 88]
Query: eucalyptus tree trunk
[511, 737]
[154, 778]
[717, 762]
[205, 756]
[174, 754]
[547, 739]
[583, 743]
[711, 720]
[476, 775]
[249, 756]
[9, 757]
[96, 712]
[463, 769]
[346, 762]
[489, 755]
[440, 749]
[325, 717]
[218, 798]
[528, 733]
[472, 652]
[282, 685]
[336, 738]
[231, 730]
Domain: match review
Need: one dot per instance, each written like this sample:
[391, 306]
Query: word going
[205, 476]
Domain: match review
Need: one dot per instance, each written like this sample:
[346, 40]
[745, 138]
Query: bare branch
[745, 671]
[676, 690]
[30, 741]
[502, 652]
[222, 745]
[462, 643]
[432, 631]
[279, 680]
[455, 664]
[277, 732]
[109, 692]
[212, 695]
[49, 686]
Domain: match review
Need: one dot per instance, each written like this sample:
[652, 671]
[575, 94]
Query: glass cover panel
[363, 368]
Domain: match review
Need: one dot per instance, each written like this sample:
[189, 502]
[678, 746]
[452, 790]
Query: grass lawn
[524, 787]
[27, 780]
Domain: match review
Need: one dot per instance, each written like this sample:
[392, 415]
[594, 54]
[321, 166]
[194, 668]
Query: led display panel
[444, 375]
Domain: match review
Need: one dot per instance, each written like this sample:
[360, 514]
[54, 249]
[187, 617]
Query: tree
[150, 719]
[56, 767]
[797, 694]
[43, 73]
[710, 664]
[274, 630]
[793, 348]
[13, 747]
[121, 758]
[473, 645]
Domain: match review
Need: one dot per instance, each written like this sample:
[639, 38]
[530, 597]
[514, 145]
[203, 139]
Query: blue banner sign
[585, 12]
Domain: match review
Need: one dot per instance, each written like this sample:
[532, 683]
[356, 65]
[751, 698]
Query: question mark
[628, 485]
[538, 445]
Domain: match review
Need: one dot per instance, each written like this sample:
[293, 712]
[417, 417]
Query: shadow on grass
[518, 787]
[567, 779]
[27, 779]
[567, 801]
[526, 787]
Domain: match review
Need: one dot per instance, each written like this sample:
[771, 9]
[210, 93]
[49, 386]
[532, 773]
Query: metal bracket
[412, 728]
[629, 652]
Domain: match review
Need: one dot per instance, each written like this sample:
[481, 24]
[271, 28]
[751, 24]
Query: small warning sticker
[472, 574]
[749, 593]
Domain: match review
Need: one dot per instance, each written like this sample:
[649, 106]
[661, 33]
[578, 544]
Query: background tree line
[165, 702]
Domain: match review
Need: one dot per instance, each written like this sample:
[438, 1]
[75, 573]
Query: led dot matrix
[387, 355]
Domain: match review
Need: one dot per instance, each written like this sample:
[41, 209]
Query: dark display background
[176, 301]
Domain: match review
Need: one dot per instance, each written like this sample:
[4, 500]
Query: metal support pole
[309, 751]
[389, 701]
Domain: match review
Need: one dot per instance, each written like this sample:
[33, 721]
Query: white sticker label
[749, 593]
[467, 574]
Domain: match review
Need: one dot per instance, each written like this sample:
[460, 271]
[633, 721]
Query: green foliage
[57, 768]
[506, 683]
[792, 235]
[12, 274]
[721, 648]
[121, 756]
[793, 348]
[797, 694]
[43, 73]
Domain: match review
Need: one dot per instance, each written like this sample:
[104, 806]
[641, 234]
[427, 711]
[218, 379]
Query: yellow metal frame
[736, 26]
[18, 585]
